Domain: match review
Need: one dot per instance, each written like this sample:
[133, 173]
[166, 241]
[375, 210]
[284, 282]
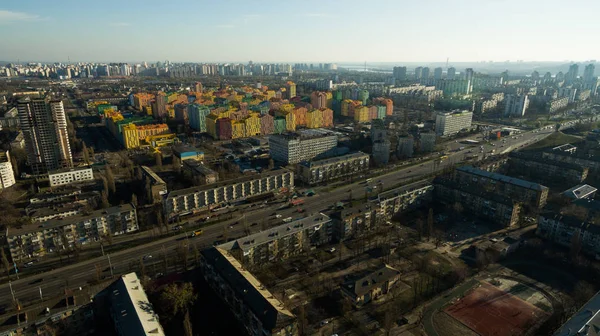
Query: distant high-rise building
[560, 76]
[425, 73]
[515, 105]
[400, 73]
[588, 73]
[535, 75]
[448, 123]
[7, 175]
[418, 73]
[451, 73]
[572, 74]
[437, 73]
[198, 86]
[547, 77]
[44, 125]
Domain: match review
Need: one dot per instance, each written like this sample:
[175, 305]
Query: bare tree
[134, 200]
[419, 222]
[5, 262]
[158, 159]
[86, 154]
[575, 245]
[110, 180]
[430, 222]
[187, 325]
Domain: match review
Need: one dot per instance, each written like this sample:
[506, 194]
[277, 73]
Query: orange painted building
[300, 113]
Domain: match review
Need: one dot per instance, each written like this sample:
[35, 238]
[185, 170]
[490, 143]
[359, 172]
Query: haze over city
[299, 31]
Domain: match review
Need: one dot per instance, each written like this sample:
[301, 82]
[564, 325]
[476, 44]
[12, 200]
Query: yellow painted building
[314, 118]
[361, 114]
[270, 94]
[329, 97]
[211, 125]
[252, 125]
[148, 110]
[130, 136]
[141, 100]
[237, 129]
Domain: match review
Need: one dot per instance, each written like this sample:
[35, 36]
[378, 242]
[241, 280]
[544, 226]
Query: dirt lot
[448, 326]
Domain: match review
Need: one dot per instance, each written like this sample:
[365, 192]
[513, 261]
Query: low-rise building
[10, 119]
[519, 190]
[56, 211]
[319, 171]
[196, 171]
[257, 309]
[186, 201]
[564, 230]
[497, 208]
[582, 191]
[283, 241]
[404, 198]
[370, 285]
[70, 175]
[7, 175]
[545, 169]
[405, 147]
[186, 153]
[586, 321]
[37, 240]
[156, 187]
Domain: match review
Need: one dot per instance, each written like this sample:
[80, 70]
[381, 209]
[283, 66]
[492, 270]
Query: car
[28, 264]
[331, 250]
[148, 256]
[254, 224]
[324, 323]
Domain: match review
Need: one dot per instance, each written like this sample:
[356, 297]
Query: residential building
[197, 117]
[562, 230]
[185, 201]
[427, 142]
[281, 242]
[301, 146]
[404, 198]
[454, 87]
[405, 147]
[582, 191]
[515, 105]
[548, 170]
[449, 123]
[388, 103]
[257, 309]
[320, 171]
[44, 125]
[318, 99]
[352, 222]
[381, 151]
[557, 104]
[37, 240]
[418, 73]
[437, 73]
[568, 92]
[586, 321]
[131, 311]
[491, 206]
[156, 187]
[10, 119]
[187, 153]
[70, 175]
[7, 175]
[400, 73]
[518, 190]
[370, 285]
[198, 172]
[451, 73]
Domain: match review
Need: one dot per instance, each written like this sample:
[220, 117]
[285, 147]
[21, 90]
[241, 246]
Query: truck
[287, 220]
[297, 201]
[196, 233]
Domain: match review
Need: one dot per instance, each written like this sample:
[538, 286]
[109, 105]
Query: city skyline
[308, 31]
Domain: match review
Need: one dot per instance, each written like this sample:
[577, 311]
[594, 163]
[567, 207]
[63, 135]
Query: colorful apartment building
[388, 103]
[279, 125]
[130, 136]
[361, 114]
[318, 99]
[267, 124]
[300, 114]
[327, 117]
[238, 129]
[290, 89]
[142, 100]
[381, 112]
[145, 131]
[211, 125]
[252, 125]
[197, 116]
[181, 112]
[372, 112]
[349, 106]
[314, 119]
[224, 129]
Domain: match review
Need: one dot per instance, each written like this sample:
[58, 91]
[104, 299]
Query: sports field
[490, 311]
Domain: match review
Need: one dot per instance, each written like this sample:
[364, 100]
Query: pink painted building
[267, 124]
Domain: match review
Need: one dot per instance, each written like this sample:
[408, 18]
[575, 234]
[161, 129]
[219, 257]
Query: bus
[196, 233]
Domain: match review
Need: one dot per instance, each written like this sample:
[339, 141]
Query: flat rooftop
[580, 191]
[187, 191]
[66, 170]
[249, 242]
[502, 178]
[547, 161]
[328, 161]
[54, 223]
[261, 302]
[393, 193]
[155, 178]
[585, 322]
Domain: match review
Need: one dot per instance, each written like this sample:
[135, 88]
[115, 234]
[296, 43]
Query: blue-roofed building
[585, 322]
[518, 190]
[186, 153]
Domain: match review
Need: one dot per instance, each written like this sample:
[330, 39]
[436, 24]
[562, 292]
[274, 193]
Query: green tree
[177, 298]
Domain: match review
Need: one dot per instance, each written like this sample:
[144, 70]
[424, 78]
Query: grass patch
[553, 140]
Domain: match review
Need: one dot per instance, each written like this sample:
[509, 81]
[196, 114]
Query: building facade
[35, 240]
[404, 198]
[186, 201]
[557, 104]
[370, 285]
[515, 105]
[563, 230]
[320, 171]
[196, 171]
[449, 123]
[302, 146]
[44, 126]
[68, 176]
[7, 175]
[546, 169]
[156, 188]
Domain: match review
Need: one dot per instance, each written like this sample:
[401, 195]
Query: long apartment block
[319, 171]
[404, 198]
[301, 146]
[519, 190]
[186, 201]
[37, 240]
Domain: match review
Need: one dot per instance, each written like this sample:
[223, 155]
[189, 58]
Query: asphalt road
[81, 274]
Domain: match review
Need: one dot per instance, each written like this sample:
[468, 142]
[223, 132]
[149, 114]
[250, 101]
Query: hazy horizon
[381, 31]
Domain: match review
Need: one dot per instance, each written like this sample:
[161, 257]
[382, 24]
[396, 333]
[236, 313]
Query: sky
[299, 30]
